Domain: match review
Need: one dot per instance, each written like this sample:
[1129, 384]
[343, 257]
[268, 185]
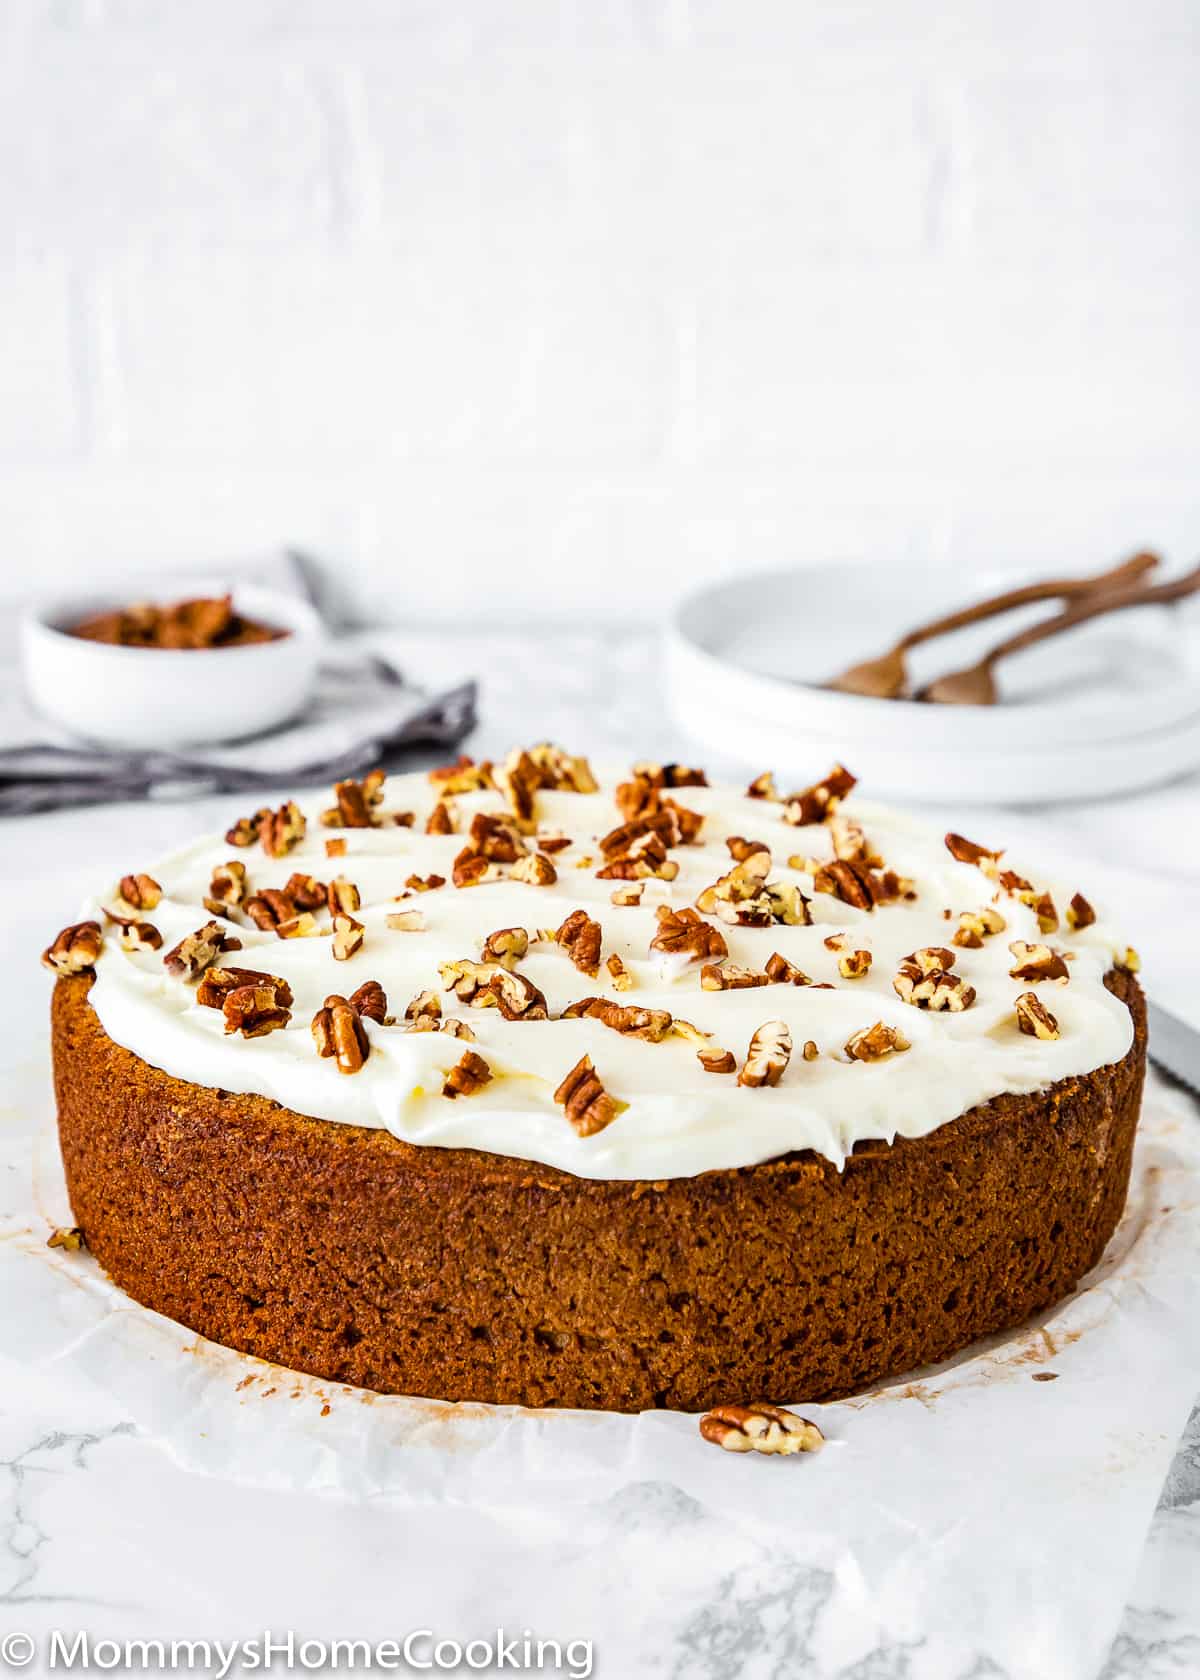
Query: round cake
[518, 1084]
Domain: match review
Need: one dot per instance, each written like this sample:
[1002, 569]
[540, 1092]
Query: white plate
[1109, 708]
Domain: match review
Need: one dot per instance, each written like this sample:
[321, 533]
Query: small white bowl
[165, 697]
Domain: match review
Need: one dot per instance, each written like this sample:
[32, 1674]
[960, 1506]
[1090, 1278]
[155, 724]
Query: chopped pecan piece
[348, 936]
[552, 843]
[768, 1056]
[816, 803]
[588, 1105]
[850, 844]
[810, 1051]
[197, 951]
[931, 957]
[426, 1005]
[425, 883]
[1128, 960]
[647, 856]
[932, 987]
[140, 892]
[255, 1010]
[371, 1002]
[336, 847]
[745, 897]
[621, 977]
[519, 781]
[729, 977]
[246, 830]
[406, 921]
[717, 1061]
[281, 830]
[864, 888]
[740, 849]
[1033, 1018]
[302, 926]
[760, 1428]
[854, 965]
[763, 787]
[580, 937]
[780, 972]
[966, 851]
[269, 908]
[472, 869]
[873, 1044]
[653, 1025]
[305, 891]
[466, 978]
[356, 803]
[1037, 962]
[516, 997]
[496, 838]
[217, 983]
[629, 892]
[506, 946]
[561, 770]
[974, 926]
[342, 897]
[1079, 913]
[338, 1031]
[227, 889]
[452, 1026]
[75, 949]
[535, 870]
[137, 935]
[463, 776]
[70, 1238]
[470, 1074]
[683, 931]
[440, 819]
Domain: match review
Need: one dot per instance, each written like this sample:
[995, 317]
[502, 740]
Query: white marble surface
[99, 1531]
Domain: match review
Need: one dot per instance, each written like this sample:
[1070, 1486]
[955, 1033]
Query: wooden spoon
[974, 685]
[886, 677]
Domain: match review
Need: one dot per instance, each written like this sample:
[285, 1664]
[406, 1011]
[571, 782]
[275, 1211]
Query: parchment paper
[970, 1506]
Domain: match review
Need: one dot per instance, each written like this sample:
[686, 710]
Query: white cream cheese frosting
[678, 1119]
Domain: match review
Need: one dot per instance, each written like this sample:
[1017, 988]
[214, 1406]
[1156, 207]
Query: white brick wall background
[547, 304]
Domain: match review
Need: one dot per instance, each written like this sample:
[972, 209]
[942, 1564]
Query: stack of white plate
[1106, 709]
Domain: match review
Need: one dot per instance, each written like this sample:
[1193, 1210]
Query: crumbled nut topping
[926, 983]
[1079, 913]
[406, 921]
[282, 830]
[69, 1238]
[763, 787]
[356, 803]
[816, 803]
[302, 926]
[255, 1010]
[338, 1031]
[810, 1051]
[744, 897]
[228, 887]
[1033, 1018]
[425, 1006]
[1128, 960]
[506, 946]
[850, 844]
[768, 1056]
[136, 935]
[441, 819]
[621, 977]
[246, 830]
[519, 781]
[966, 851]
[974, 926]
[629, 892]
[740, 849]
[467, 1076]
[464, 776]
[425, 883]
[864, 888]
[269, 908]
[730, 977]
[580, 937]
[370, 1000]
[487, 985]
[336, 847]
[873, 1044]
[1037, 962]
[342, 897]
[348, 936]
[197, 951]
[75, 949]
[140, 892]
[217, 983]
[561, 771]
[552, 843]
[717, 1061]
[760, 1428]
[780, 972]
[646, 857]
[683, 931]
[854, 965]
[588, 1105]
[536, 870]
[305, 891]
[652, 1025]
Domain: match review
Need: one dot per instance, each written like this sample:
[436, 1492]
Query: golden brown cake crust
[342, 1251]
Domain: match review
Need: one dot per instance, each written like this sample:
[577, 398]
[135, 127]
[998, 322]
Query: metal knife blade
[1175, 1046]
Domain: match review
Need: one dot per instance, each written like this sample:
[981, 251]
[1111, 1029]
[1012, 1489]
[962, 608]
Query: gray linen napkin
[363, 714]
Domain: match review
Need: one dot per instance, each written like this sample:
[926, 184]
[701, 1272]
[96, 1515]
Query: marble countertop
[100, 1531]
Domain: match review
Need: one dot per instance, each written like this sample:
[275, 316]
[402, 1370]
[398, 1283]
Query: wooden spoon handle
[1126, 573]
[1149, 595]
